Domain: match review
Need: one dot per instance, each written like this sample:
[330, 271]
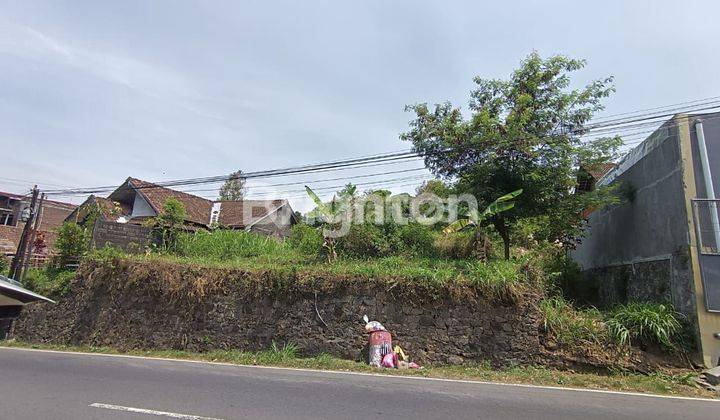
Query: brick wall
[9, 238]
[128, 237]
[53, 215]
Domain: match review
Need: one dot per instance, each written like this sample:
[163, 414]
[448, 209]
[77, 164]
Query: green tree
[234, 188]
[522, 133]
[434, 186]
[71, 243]
[169, 223]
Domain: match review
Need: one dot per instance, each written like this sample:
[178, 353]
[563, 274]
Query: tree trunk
[504, 232]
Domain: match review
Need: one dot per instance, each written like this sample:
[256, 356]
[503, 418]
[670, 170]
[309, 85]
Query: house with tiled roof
[136, 201]
[14, 209]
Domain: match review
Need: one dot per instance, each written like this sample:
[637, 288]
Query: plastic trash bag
[371, 326]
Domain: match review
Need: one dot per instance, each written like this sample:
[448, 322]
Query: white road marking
[151, 412]
[379, 374]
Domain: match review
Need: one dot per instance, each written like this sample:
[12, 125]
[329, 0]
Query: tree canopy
[521, 133]
[234, 188]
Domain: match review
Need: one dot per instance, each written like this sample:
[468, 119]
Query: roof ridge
[154, 185]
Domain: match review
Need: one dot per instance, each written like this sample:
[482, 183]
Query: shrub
[168, 225]
[306, 239]
[107, 253]
[458, 245]
[645, 323]
[49, 281]
[571, 326]
[364, 241]
[71, 244]
[417, 239]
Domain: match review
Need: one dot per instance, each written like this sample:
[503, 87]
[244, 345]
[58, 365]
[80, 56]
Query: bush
[71, 244]
[49, 281]
[645, 323]
[168, 225]
[417, 240]
[571, 326]
[458, 245]
[306, 239]
[364, 241]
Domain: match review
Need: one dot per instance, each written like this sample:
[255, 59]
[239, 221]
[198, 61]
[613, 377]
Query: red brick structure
[52, 216]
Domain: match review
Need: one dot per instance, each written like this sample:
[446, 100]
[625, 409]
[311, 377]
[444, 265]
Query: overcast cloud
[93, 92]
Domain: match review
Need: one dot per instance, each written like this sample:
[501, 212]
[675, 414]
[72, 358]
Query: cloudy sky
[93, 92]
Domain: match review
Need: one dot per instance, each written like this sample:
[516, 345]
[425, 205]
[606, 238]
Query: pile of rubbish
[382, 353]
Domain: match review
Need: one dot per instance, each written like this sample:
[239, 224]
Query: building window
[707, 225]
[6, 219]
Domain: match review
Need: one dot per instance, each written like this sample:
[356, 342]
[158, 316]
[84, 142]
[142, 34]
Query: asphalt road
[53, 385]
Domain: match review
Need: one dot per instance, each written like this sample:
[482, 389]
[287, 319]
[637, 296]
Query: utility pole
[17, 262]
[33, 237]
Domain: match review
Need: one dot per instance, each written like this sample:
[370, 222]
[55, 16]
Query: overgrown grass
[643, 323]
[248, 251]
[224, 245]
[495, 279]
[571, 326]
[632, 324]
[679, 383]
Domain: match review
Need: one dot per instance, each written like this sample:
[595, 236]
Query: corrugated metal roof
[13, 290]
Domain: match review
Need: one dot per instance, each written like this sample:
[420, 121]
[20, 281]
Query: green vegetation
[168, 225]
[642, 324]
[645, 323]
[522, 133]
[71, 244]
[4, 264]
[570, 326]
[306, 239]
[234, 188]
[677, 383]
[229, 245]
[49, 281]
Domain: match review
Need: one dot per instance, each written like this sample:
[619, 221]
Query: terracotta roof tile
[246, 212]
[197, 208]
[597, 171]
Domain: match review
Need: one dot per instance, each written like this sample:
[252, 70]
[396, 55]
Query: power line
[613, 125]
[251, 187]
[712, 98]
[359, 162]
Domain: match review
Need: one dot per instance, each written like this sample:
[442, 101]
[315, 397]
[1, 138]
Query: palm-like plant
[501, 204]
[329, 214]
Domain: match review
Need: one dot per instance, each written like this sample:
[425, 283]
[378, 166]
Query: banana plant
[329, 214]
[500, 205]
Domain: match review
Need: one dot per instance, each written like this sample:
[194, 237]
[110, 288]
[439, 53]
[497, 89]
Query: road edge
[379, 375]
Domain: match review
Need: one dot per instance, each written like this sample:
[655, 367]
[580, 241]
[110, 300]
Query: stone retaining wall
[159, 306]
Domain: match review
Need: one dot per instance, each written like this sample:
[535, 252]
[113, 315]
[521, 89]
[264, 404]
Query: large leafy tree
[521, 133]
[234, 188]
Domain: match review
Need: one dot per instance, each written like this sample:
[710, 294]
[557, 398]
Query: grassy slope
[680, 384]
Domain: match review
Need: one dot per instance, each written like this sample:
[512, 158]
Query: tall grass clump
[498, 279]
[222, 245]
[643, 323]
[279, 354]
[571, 326]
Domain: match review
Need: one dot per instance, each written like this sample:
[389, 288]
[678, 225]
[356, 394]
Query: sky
[93, 92]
